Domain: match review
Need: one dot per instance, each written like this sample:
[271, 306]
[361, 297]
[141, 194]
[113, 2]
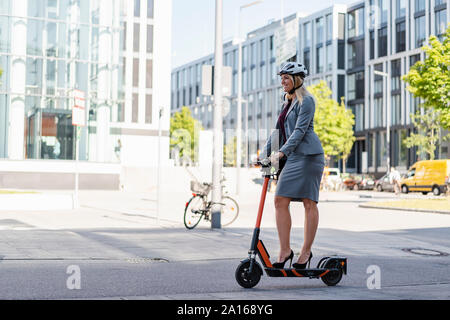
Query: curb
[404, 209]
[36, 202]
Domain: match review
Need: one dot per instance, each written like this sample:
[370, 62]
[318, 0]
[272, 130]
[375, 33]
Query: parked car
[384, 184]
[365, 182]
[427, 176]
[359, 182]
[350, 181]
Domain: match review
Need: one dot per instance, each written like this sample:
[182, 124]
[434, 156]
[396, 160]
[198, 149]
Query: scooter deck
[292, 272]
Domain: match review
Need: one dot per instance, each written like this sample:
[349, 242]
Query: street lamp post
[218, 134]
[158, 179]
[239, 100]
[388, 117]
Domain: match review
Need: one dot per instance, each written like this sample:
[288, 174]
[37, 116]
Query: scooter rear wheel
[245, 278]
[333, 277]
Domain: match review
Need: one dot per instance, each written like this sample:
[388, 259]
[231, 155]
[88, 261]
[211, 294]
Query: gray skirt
[300, 177]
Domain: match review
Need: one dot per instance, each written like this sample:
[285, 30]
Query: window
[378, 112]
[420, 31]
[359, 78]
[148, 108]
[319, 60]
[356, 54]
[307, 35]
[329, 81]
[148, 74]
[329, 57]
[356, 23]
[136, 40]
[356, 86]
[372, 44]
[149, 38]
[351, 55]
[396, 109]
[359, 117]
[135, 108]
[341, 86]
[137, 8]
[400, 8]
[384, 11]
[124, 35]
[306, 60]
[329, 19]
[351, 87]
[395, 74]
[263, 58]
[351, 24]
[341, 55]
[135, 72]
[419, 5]
[382, 42]
[149, 8]
[319, 30]
[441, 20]
[378, 80]
[400, 44]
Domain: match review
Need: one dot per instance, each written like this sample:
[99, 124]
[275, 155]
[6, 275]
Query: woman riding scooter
[300, 156]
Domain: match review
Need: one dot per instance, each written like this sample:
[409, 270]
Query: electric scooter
[249, 271]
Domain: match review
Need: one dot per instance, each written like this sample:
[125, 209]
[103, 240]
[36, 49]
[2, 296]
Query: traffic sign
[79, 109]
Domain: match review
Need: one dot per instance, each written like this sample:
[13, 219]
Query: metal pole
[247, 159]
[158, 179]
[239, 110]
[218, 139]
[388, 127]
[77, 146]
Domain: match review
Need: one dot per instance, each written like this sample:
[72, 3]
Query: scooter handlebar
[265, 163]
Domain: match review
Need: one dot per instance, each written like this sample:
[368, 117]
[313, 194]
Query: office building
[114, 53]
[342, 45]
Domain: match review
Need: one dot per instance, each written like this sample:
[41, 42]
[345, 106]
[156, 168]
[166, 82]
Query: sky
[193, 27]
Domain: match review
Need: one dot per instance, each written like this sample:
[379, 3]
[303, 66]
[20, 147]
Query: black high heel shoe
[303, 265]
[280, 265]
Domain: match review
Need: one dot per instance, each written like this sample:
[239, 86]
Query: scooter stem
[261, 202]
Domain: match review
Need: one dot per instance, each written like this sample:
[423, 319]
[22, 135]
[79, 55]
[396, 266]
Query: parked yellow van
[427, 176]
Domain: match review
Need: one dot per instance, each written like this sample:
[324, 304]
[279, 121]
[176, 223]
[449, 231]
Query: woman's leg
[283, 218]
[310, 228]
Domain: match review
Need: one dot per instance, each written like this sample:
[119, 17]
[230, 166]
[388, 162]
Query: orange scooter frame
[249, 271]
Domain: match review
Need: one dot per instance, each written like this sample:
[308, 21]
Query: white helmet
[294, 68]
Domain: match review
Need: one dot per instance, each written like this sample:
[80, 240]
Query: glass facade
[51, 48]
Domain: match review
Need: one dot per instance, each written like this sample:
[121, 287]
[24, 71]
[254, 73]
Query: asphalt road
[102, 253]
[401, 278]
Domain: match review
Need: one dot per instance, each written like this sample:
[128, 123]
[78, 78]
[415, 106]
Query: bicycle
[199, 206]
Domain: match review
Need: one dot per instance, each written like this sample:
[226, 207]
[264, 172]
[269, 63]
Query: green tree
[430, 79]
[230, 153]
[333, 123]
[184, 132]
[427, 126]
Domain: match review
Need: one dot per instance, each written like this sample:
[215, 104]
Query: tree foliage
[333, 123]
[184, 132]
[427, 126]
[430, 79]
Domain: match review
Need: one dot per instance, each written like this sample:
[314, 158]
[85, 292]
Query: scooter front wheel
[244, 277]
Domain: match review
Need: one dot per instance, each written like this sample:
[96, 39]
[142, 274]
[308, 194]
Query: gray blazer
[299, 128]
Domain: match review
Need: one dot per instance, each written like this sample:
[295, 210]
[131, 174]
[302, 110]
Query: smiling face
[287, 83]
